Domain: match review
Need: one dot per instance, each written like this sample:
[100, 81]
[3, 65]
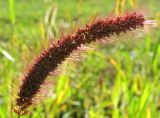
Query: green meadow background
[116, 80]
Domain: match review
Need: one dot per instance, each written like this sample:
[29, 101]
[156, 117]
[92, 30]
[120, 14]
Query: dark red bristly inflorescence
[57, 53]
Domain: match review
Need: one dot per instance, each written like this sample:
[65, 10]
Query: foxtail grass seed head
[49, 59]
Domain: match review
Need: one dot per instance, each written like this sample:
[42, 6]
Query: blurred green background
[119, 80]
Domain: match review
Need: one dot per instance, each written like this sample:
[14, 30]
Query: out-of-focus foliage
[116, 80]
[120, 5]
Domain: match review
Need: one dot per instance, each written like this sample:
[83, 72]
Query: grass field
[119, 80]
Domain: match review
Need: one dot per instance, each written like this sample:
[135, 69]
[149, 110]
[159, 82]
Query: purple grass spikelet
[49, 59]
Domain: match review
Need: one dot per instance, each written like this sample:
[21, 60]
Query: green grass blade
[12, 11]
